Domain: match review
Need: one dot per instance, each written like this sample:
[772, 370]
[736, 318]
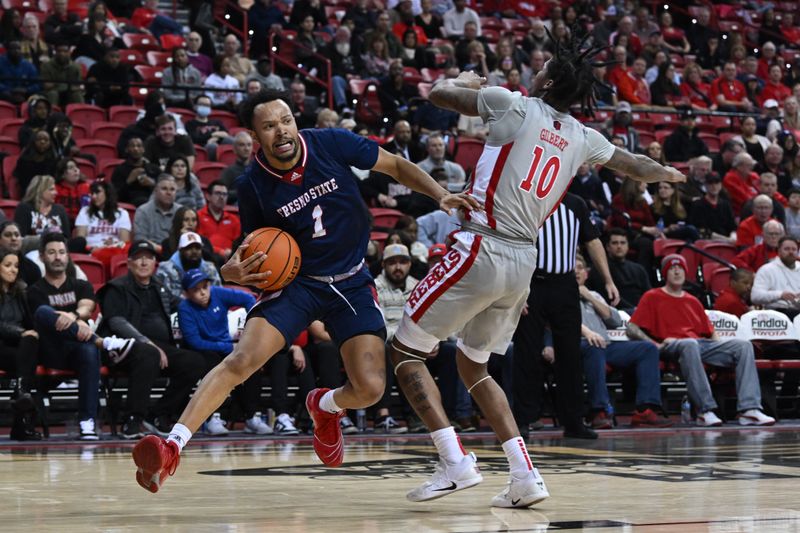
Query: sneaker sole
[461, 485]
[254, 432]
[745, 421]
[147, 457]
[89, 437]
[154, 430]
[522, 502]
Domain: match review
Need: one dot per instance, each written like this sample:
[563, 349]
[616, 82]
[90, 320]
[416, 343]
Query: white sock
[448, 445]
[518, 458]
[326, 403]
[180, 435]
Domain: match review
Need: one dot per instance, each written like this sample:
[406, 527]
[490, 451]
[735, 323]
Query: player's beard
[287, 156]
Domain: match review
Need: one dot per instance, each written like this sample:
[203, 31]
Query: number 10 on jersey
[546, 178]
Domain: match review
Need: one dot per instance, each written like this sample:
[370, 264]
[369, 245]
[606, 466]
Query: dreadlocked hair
[570, 70]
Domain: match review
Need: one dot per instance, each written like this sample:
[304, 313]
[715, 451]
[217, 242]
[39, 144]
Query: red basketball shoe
[328, 442]
[156, 460]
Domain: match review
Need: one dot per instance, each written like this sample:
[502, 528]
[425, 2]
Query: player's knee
[368, 388]
[241, 364]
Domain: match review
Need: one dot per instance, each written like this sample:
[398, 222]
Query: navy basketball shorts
[347, 308]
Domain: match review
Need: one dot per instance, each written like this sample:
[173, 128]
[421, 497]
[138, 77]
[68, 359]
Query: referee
[554, 301]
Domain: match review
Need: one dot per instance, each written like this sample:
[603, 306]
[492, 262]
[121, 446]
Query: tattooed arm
[637, 334]
[642, 168]
[459, 94]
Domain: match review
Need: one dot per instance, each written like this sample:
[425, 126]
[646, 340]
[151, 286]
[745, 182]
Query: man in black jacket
[684, 143]
[140, 306]
[630, 277]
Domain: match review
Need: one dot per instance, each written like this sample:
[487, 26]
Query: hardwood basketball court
[680, 480]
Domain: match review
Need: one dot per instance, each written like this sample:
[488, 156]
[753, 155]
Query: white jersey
[531, 155]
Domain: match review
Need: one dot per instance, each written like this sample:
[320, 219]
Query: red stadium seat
[10, 127]
[716, 277]
[130, 208]
[711, 140]
[10, 182]
[383, 217]
[724, 250]
[664, 247]
[207, 171]
[411, 76]
[107, 131]
[368, 106]
[491, 23]
[118, 266]
[200, 154]
[159, 59]
[100, 149]
[185, 114]
[468, 151]
[139, 94]
[88, 168]
[93, 267]
[132, 57]
[86, 114]
[228, 119]
[141, 42]
[225, 154]
[123, 114]
[7, 110]
[664, 120]
[105, 167]
[10, 146]
[170, 41]
[8, 207]
[152, 75]
[430, 75]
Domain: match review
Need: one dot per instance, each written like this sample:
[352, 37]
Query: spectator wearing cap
[153, 219]
[620, 126]
[684, 143]
[768, 186]
[219, 226]
[189, 255]
[137, 306]
[740, 181]
[203, 319]
[735, 298]
[728, 92]
[769, 124]
[754, 257]
[676, 323]
[777, 283]
[774, 89]
[750, 229]
[712, 214]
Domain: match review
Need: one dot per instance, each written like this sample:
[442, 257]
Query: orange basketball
[283, 256]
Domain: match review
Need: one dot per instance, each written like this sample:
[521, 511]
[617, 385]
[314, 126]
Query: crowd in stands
[120, 146]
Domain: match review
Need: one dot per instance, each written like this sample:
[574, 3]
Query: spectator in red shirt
[735, 298]
[674, 38]
[750, 229]
[406, 23]
[637, 92]
[741, 181]
[217, 225]
[791, 33]
[755, 257]
[677, 323]
[694, 88]
[728, 92]
[625, 27]
[148, 17]
[774, 88]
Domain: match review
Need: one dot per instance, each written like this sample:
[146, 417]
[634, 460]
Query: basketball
[283, 257]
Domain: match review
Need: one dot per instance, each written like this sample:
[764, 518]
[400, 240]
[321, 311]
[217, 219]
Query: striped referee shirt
[568, 226]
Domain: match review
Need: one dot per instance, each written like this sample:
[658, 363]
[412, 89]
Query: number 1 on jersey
[319, 229]
[547, 177]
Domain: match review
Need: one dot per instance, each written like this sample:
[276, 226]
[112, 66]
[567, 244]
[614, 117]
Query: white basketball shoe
[447, 479]
[522, 492]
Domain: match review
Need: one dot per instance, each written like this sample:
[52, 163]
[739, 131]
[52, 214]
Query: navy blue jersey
[317, 202]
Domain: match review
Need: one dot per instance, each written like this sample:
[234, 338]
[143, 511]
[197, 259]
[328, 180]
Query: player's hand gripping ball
[282, 257]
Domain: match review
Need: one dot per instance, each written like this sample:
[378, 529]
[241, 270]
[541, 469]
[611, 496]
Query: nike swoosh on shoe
[452, 486]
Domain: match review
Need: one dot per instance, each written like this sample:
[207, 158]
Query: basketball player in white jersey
[478, 290]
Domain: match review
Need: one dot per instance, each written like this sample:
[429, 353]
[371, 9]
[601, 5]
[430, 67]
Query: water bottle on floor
[686, 411]
[361, 420]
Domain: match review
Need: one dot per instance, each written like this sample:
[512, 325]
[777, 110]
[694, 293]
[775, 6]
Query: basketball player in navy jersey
[301, 182]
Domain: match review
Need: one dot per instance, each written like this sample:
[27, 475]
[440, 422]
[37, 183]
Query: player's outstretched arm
[459, 94]
[642, 168]
[418, 180]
